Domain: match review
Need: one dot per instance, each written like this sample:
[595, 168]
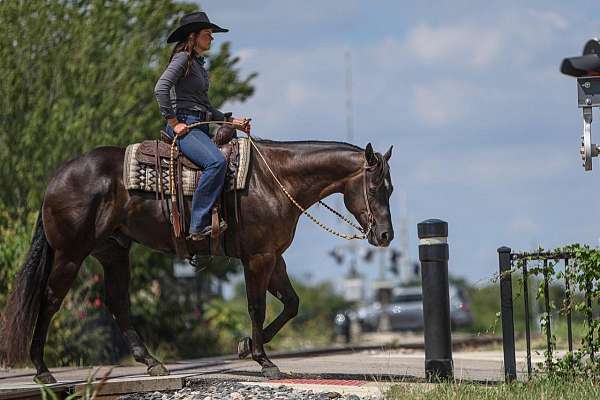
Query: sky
[485, 129]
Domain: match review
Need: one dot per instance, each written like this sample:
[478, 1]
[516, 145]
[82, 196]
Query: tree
[78, 74]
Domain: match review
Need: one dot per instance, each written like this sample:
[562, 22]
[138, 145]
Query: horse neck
[311, 171]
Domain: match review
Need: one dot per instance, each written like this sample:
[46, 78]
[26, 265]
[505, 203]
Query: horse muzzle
[381, 236]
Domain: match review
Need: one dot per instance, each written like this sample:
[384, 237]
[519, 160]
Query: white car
[405, 311]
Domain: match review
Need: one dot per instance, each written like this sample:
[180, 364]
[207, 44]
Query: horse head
[367, 197]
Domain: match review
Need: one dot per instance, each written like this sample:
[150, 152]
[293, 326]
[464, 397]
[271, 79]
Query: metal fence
[509, 263]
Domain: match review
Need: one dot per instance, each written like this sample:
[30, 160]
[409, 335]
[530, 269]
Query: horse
[87, 211]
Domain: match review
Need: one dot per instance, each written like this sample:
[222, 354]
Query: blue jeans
[198, 147]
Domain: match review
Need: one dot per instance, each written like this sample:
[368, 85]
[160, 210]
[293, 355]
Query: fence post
[506, 309]
[433, 254]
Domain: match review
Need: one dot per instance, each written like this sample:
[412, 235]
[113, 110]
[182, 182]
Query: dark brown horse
[88, 211]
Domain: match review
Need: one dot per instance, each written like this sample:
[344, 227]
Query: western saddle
[157, 153]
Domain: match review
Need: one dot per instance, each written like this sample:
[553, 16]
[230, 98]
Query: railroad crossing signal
[586, 69]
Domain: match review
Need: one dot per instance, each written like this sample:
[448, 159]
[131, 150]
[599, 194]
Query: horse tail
[23, 305]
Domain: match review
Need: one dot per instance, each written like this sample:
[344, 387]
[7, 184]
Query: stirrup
[197, 237]
[200, 262]
[203, 261]
[207, 231]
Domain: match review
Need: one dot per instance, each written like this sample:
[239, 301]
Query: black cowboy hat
[193, 23]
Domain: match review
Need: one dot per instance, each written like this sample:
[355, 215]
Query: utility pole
[353, 284]
[349, 127]
[349, 108]
[349, 104]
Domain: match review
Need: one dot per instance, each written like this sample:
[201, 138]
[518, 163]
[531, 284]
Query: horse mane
[341, 145]
[380, 172]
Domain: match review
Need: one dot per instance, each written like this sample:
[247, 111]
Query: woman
[182, 95]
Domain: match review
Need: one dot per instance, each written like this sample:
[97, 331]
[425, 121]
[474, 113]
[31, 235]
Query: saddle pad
[139, 176]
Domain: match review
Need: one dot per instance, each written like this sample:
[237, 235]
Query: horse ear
[370, 155]
[388, 154]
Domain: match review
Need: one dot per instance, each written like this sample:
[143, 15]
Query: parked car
[405, 311]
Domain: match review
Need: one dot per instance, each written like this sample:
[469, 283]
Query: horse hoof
[244, 347]
[45, 378]
[158, 370]
[271, 372]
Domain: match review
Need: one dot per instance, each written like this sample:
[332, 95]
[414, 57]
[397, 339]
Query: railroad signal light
[587, 64]
[368, 256]
[337, 255]
[395, 262]
[416, 268]
[395, 256]
[586, 68]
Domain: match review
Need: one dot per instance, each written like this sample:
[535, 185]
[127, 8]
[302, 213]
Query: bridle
[364, 233]
[370, 216]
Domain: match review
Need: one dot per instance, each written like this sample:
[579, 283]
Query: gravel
[237, 391]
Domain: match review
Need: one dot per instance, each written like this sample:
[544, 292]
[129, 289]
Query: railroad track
[325, 364]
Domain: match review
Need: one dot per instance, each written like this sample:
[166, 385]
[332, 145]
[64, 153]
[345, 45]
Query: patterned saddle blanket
[141, 168]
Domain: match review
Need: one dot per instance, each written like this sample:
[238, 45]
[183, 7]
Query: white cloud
[275, 16]
[474, 67]
[247, 54]
[460, 43]
[298, 93]
[442, 102]
[293, 89]
[478, 166]
[472, 101]
[554, 19]
[523, 225]
[513, 36]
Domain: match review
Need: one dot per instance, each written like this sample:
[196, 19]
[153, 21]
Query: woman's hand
[180, 129]
[243, 124]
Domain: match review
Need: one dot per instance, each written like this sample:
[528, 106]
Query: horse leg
[64, 272]
[280, 287]
[116, 263]
[257, 271]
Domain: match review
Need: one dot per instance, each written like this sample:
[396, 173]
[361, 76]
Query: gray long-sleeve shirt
[175, 91]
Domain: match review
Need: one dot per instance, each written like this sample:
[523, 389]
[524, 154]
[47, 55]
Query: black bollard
[506, 309]
[346, 328]
[433, 254]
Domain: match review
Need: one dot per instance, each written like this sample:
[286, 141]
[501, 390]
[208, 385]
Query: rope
[342, 217]
[308, 214]
[346, 236]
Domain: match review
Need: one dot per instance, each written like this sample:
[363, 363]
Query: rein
[364, 232]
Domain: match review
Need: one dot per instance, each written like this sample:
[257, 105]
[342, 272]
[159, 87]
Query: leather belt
[196, 113]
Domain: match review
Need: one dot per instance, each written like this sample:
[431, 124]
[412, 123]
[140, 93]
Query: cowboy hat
[193, 23]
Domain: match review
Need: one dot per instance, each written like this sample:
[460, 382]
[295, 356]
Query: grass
[544, 387]
[538, 338]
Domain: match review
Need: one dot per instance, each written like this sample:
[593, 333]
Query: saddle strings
[364, 232]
